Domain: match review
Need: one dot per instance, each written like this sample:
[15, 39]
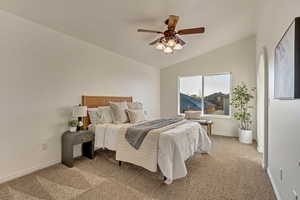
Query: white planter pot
[245, 136]
[73, 129]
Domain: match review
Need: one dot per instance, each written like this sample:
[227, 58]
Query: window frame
[202, 111]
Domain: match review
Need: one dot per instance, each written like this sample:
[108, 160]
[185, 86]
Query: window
[209, 94]
[190, 93]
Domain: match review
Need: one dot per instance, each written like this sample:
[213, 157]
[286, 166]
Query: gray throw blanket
[135, 135]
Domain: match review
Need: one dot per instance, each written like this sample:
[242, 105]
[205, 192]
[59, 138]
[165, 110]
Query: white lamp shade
[171, 43]
[79, 111]
[160, 46]
[168, 50]
[178, 46]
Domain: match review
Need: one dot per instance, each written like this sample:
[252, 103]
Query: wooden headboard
[96, 101]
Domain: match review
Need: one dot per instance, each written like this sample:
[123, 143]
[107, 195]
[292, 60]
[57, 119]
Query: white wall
[43, 74]
[237, 58]
[284, 137]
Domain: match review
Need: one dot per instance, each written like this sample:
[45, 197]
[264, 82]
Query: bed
[167, 149]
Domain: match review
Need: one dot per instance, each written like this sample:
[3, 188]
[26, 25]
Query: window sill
[211, 116]
[217, 116]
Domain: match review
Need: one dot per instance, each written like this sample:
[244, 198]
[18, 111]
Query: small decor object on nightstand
[80, 112]
[73, 125]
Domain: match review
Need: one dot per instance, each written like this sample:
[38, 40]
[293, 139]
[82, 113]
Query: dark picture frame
[287, 64]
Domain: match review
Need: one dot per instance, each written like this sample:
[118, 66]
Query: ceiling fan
[170, 40]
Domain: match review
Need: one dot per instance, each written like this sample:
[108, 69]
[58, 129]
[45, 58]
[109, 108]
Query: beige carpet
[232, 171]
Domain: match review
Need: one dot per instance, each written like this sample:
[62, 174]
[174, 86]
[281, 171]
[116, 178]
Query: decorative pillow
[95, 118]
[135, 115]
[119, 112]
[135, 106]
[105, 114]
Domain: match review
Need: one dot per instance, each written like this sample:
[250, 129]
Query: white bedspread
[179, 144]
[106, 135]
[175, 145]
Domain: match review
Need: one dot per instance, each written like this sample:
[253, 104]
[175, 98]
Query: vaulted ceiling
[113, 24]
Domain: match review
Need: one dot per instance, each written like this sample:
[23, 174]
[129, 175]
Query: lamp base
[80, 124]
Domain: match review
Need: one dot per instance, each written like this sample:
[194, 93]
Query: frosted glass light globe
[171, 43]
[160, 46]
[178, 46]
[168, 50]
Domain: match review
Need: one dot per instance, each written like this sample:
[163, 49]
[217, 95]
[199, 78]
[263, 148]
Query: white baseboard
[273, 185]
[223, 133]
[27, 171]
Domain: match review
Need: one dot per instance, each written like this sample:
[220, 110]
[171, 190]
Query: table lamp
[80, 112]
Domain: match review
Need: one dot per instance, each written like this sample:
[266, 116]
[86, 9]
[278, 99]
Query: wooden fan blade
[155, 41]
[149, 31]
[172, 22]
[191, 31]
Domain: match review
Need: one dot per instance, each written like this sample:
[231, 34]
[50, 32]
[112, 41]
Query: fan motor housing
[169, 33]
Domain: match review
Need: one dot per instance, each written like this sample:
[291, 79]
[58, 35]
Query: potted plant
[73, 125]
[241, 97]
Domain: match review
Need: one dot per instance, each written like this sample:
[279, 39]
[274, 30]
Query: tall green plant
[241, 97]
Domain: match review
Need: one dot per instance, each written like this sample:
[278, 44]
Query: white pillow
[135, 115]
[105, 114]
[119, 112]
[94, 116]
[135, 106]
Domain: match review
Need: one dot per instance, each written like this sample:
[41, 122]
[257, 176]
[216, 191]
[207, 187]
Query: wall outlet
[295, 195]
[44, 146]
[145, 112]
[281, 174]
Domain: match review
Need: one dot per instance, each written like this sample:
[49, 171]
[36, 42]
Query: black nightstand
[69, 139]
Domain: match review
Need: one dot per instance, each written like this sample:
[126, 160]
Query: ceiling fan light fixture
[160, 46]
[178, 46]
[168, 50]
[169, 40]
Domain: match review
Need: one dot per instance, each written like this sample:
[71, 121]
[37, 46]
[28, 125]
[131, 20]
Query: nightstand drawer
[79, 139]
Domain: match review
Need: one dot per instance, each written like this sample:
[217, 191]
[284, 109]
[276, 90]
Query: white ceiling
[112, 24]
